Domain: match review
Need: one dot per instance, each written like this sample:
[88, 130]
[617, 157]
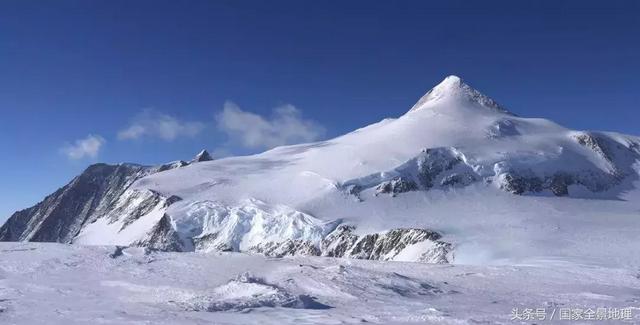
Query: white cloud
[286, 126]
[88, 147]
[151, 123]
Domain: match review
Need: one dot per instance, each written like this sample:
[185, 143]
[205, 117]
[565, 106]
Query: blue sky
[155, 81]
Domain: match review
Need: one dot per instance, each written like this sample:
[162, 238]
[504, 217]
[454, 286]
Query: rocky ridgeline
[163, 237]
[619, 161]
[448, 167]
[61, 215]
[100, 191]
[344, 242]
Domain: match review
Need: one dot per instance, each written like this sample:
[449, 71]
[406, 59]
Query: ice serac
[278, 230]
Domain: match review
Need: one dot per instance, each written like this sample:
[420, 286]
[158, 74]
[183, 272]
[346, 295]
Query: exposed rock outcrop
[391, 244]
[339, 241]
[172, 165]
[427, 170]
[163, 237]
[447, 167]
[396, 186]
[287, 248]
[411, 244]
[432, 162]
[101, 191]
[61, 215]
[201, 156]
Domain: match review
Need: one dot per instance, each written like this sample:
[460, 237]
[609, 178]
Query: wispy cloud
[88, 147]
[286, 126]
[151, 123]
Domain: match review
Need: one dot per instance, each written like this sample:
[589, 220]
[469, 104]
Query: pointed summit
[451, 82]
[453, 88]
[202, 156]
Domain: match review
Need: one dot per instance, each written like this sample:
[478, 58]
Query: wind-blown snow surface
[70, 284]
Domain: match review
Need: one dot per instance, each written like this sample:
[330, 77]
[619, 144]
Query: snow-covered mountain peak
[201, 156]
[455, 91]
[450, 81]
[456, 179]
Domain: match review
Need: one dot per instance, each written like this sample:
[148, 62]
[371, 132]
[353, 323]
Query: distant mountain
[201, 156]
[457, 177]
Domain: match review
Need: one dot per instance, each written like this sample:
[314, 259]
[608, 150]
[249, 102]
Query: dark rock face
[202, 156]
[421, 173]
[172, 165]
[343, 242]
[388, 245]
[433, 162]
[287, 248]
[148, 201]
[617, 158]
[354, 191]
[339, 241]
[519, 184]
[364, 247]
[100, 191]
[594, 143]
[458, 180]
[447, 168]
[162, 237]
[203, 243]
[396, 186]
[620, 157]
[559, 184]
[14, 228]
[61, 215]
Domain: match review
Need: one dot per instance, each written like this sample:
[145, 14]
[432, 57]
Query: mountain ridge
[363, 194]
